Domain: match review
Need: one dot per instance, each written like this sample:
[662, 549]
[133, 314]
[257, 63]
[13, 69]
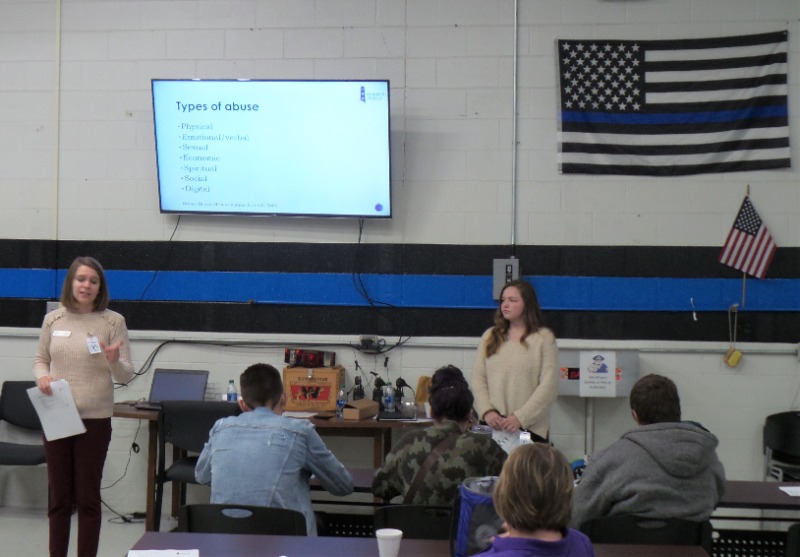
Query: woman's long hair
[532, 316]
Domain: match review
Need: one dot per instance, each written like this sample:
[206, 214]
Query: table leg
[176, 485]
[386, 443]
[377, 449]
[152, 451]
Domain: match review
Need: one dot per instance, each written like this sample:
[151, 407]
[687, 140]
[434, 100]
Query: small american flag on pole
[749, 247]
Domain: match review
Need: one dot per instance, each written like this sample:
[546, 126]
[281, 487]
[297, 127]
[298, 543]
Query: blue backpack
[478, 522]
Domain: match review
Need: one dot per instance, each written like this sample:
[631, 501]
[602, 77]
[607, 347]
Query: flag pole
[744, 275]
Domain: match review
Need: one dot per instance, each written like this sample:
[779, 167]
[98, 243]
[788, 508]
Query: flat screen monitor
[314, 148]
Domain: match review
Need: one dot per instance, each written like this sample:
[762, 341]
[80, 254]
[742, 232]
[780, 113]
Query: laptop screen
[178, 384]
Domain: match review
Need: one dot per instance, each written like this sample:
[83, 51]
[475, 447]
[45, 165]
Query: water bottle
[233, 396]
[341, 400]
[388, 399]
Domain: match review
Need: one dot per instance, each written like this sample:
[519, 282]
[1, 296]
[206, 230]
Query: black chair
[16, 409]
[792, 547]
[185, 425]
[629, 529]
[781, 437]
[422, 522]
[750, 543]
[240, 519]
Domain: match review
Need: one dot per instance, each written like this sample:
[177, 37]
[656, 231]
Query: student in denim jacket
[262, 458]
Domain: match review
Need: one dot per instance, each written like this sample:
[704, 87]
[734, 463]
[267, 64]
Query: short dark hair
[260, 385]
[535, 489]
[68, 299]
[450, 397]
[655, 399]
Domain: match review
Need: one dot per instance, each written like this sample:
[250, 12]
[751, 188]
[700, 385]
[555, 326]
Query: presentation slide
[273, 147]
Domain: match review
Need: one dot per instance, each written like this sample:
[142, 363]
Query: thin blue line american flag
[673, 107]
[749, 247]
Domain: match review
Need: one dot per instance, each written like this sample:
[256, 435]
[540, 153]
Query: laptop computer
[175, 384]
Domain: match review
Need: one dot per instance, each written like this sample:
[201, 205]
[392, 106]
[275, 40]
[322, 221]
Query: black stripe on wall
[397, 323]
[403, 259]
[409, 259]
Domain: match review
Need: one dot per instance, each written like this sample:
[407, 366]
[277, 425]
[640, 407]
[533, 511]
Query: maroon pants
[74, 470]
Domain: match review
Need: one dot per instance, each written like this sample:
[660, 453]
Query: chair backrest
[416, 521]
[16, 407]
[792, 547]
[782, 434]
[240, 519]
[186, 424]
[649, 531]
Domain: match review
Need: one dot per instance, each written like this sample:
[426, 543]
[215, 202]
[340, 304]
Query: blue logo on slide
[363, 95]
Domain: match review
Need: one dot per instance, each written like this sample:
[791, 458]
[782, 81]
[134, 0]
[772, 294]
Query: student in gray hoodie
[665, 468]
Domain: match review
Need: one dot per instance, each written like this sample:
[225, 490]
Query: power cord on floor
[132, 518]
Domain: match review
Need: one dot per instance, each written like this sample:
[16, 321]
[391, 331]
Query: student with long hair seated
[427, 465]
[534, 498]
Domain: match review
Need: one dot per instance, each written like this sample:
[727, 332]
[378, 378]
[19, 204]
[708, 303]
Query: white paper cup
[389, 541]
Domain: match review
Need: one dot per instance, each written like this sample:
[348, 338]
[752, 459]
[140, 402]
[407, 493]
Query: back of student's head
[450, 397]
[260, 385]
[655, 399]
[535, 489]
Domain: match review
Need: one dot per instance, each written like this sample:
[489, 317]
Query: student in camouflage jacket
[473, 454]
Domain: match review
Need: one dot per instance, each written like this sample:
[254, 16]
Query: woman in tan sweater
[515, 378]
[85, 344]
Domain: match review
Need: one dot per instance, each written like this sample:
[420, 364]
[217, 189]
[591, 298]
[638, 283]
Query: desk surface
[759, 495]
[738, 494]
[369, 423]
[233, 545]
[362, 480]
[125, 410]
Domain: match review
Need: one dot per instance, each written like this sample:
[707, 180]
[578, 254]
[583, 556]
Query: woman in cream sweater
[515, 378]
[87, 345]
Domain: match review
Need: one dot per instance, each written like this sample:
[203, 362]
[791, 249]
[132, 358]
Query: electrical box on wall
[505, 270]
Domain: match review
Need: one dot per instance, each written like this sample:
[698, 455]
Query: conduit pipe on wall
[513, 219]
[56, 122]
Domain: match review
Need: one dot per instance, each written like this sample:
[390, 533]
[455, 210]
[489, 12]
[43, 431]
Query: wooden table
[759, 495]
[236, 545]
[379, 431]
[151, 417]
[362, 480]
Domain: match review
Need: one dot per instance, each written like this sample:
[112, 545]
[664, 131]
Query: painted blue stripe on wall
[29, 283]
[420, 291]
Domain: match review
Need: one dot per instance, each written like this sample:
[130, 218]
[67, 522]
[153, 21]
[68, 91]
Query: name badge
[61, 333]
[94, 345]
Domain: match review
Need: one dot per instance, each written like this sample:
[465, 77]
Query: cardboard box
[308, 358]
[360, 409]
[312, 389]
